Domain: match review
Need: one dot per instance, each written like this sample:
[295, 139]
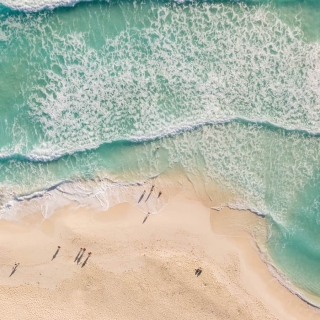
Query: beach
[159, 159]
[141, 270]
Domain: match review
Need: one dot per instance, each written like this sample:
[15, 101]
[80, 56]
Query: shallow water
[230, 92]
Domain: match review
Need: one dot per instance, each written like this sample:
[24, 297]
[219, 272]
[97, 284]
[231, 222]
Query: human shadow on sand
[14, 269]
[148, 196]
[78, 255]
[81, 255]
[145, 219]
[55, 254]
[85, 261]
[152, 188]
[144, 192]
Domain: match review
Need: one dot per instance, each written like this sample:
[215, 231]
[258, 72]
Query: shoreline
[276, 273]
[154, 261]
[272, 278]
[311, 300]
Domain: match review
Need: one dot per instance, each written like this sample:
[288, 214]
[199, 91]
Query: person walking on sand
[145, 219]
[14, 268]
[198, 271]
[56, 253]
[160, 193]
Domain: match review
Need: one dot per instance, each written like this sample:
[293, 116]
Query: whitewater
[101, 96]
[37, 5]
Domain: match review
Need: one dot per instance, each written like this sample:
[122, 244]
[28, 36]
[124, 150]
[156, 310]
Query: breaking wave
[147, 79]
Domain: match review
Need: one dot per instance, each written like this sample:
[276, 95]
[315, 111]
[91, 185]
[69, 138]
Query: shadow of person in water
[144, 192]
[14, 268]
[56, 253]
[81, 255]
[85, 261]
[78, 255]
[145, 219]
[198, 271]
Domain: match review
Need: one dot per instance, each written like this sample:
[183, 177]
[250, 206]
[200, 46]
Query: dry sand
[141, 270]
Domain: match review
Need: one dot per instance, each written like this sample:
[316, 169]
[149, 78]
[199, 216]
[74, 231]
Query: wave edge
[37, 157]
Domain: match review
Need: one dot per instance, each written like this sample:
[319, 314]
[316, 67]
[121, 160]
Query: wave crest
[38, 5]
[154, 75]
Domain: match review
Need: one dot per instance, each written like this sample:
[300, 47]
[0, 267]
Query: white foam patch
[172, 68]
[37, 5]
[99, 194]
[265, 169]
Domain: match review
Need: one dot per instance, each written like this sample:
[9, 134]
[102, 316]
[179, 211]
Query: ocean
[97, 94]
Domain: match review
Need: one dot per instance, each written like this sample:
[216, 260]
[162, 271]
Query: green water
[229, 92]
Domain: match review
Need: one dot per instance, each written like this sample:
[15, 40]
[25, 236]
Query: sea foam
[171, 69]
[38, 5]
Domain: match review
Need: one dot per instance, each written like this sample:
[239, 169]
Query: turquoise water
[229, 91]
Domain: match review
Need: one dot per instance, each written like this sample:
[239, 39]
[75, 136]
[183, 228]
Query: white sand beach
[141, 270]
